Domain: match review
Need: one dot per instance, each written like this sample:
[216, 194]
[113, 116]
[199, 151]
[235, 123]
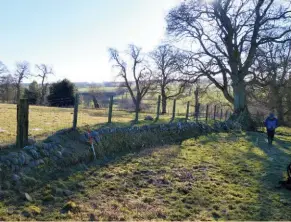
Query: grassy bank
[220, 176]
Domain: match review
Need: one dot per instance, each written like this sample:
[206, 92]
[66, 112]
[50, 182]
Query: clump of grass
[148, 200]
[31, 211]
[48, 197]
[28, 181]
[70, 206]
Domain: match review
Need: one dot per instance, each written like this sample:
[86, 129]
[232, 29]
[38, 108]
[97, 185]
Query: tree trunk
[241, 113]
[137, 109]
[7, 94]
[280, 112]
[288, 104]
[96, 104]
[240, 102]
[42, 92]
[196, 97]
[164, 105]
[164, 102]
[276, 102]
[18, 94]
[42, 97]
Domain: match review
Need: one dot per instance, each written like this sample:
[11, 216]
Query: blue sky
[74, 35]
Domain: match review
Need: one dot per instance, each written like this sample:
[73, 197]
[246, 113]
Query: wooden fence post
[110, 109]
[75, 120]
[158, 108]
[187, 111]
[214, 114]
[22, 123]
[174, 110]
[206, 116]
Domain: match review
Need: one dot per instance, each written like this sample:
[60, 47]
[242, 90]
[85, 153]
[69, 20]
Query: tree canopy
[32, 93]
[62, 93]
[227, 35]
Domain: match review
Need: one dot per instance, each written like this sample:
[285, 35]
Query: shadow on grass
[82, 179]
[47, 184]
[274, 167]
[272, 161]
[39, 137]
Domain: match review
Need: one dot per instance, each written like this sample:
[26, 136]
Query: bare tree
[271, 71]
[3, 68]
[22, 72]
[96, 94]
[287, 113]
[137, 70]
[167, 76]
[7, 88]
[44, 71]
[3, 71]
[227, 34]
[198, 92]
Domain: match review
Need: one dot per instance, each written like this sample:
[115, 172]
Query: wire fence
[123, 111]
[47, 120]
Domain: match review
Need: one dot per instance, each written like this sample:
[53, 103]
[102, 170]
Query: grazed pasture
[216, 177]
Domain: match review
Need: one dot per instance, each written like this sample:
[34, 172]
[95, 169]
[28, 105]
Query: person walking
[271, 124]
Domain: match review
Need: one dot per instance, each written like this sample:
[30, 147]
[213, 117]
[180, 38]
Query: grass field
[213, 96]
[43, 121]
[46, 120]
[216, 177]
[101, 88]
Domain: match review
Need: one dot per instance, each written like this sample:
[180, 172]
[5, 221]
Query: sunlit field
[43, 121]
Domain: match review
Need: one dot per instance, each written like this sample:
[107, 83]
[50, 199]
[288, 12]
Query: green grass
[102, 88]
[213, 96]
[216, 177]
[44, 121]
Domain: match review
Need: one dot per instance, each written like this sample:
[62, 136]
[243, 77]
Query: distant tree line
[12, 88]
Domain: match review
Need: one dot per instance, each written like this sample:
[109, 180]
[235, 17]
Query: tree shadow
[59, 177]
[272, 161]
[274, 166]
[267, 178]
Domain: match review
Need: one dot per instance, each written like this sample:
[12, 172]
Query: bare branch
[43, 72]
[22, 72]
[227, 35]
[135, 68]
